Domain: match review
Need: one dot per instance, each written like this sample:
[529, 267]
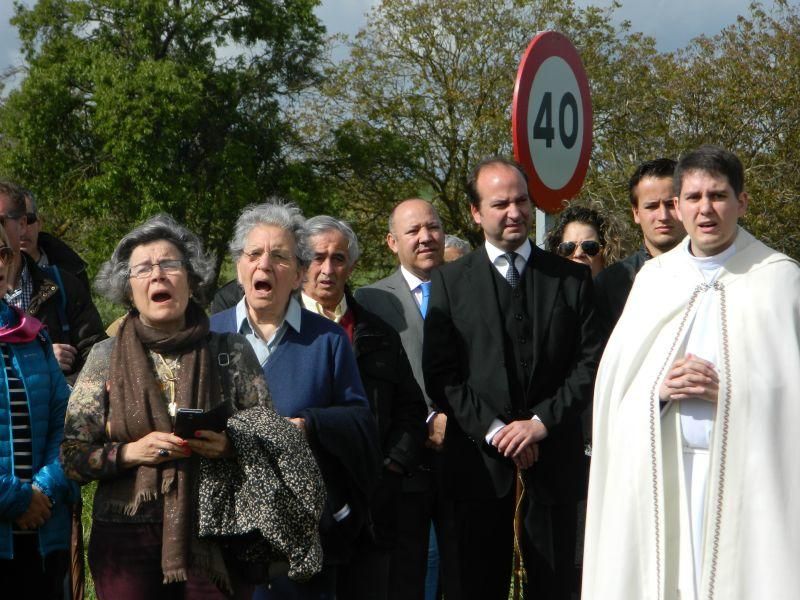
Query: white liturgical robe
[639, 539]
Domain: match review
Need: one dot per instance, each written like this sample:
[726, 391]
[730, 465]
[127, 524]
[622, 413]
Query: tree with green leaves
[133, 107]
[426, 93]
[427, 89]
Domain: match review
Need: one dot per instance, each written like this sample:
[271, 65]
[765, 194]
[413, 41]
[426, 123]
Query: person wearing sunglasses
[54, 296]
[581, 236]
[45, 248]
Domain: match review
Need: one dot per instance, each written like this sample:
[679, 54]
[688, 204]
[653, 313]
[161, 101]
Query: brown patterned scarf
[137, 407]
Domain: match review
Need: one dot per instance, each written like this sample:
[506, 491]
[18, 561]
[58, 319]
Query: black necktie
[512, 275]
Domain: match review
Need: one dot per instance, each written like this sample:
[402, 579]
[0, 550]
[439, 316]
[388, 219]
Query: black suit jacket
[465, 372]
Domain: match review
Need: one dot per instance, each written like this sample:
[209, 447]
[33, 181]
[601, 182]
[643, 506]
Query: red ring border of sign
[542, 47]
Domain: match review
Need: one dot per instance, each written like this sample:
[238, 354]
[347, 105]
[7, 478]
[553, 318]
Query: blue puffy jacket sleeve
[50, 477]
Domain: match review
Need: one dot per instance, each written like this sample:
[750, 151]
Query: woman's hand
[153, 449]
[210, 444]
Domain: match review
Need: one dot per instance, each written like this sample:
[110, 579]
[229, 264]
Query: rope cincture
[520, 577]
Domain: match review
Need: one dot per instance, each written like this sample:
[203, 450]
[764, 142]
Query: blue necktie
[425, 286]
[512, 275]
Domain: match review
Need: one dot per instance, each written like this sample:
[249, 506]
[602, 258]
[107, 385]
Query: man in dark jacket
[394, 396]
[653, 207]
[57, 298]
[46, 249]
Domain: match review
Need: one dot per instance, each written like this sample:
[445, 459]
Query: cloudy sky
[671, 22]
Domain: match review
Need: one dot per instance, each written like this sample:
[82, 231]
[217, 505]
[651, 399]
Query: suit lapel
[406, 304]
[541, 294]
[480, 285]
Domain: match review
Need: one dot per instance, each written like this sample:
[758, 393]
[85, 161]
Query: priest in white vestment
[694, 490]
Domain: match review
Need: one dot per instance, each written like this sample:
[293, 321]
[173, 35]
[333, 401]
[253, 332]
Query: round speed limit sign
[551, 120]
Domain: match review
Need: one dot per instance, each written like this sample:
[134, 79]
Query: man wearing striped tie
[510, 351]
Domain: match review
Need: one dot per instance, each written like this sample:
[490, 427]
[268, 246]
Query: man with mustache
[395, 399]
[510, 352]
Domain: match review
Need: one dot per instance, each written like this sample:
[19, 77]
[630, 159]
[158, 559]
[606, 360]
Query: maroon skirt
[125, 562]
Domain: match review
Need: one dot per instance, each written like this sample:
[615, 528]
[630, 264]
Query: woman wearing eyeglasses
[582, 235]
[119, 422]
[35, 496]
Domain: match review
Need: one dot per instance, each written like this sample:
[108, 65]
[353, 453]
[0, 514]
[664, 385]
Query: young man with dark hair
[653, 208]
[693, 491]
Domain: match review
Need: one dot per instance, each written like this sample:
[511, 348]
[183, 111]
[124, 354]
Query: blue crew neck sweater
[312, 368]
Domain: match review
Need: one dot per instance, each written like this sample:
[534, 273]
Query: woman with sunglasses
[35, 495]
[582, 235]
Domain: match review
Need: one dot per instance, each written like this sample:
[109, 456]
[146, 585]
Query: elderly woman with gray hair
[120, 419]
[313, 378]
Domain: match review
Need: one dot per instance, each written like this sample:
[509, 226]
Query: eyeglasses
[31, 218]
[172, 265]
[6, 254]
[278, 257]
[589, 247]
[10, 217]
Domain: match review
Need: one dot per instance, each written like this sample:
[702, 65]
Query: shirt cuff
[431, 414]
[496, 426]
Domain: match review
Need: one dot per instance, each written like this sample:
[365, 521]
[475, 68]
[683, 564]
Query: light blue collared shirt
[262, 348]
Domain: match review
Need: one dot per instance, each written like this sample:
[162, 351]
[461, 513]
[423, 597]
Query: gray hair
[451, 241]
[113, 279]
[277, 213]
[323, 223]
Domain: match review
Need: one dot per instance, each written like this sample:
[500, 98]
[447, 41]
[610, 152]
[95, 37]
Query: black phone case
[187, 421]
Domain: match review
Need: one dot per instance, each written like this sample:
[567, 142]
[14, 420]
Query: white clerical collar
[412, 280]
[524, 251]
[310, 304]
[292, 317]
[709, 266]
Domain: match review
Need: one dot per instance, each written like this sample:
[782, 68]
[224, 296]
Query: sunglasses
[6, 254]
[589, 247]
[31, 218]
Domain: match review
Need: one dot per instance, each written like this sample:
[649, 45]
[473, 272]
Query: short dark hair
[711, 159]
[660, 168]
[16, 194]
[472, 182]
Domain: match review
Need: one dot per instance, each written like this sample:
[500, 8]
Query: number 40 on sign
[552, 120]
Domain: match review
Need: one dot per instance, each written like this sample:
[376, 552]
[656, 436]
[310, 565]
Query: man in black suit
[510, 351]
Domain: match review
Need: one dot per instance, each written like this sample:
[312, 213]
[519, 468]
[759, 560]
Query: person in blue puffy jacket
[35, 495]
